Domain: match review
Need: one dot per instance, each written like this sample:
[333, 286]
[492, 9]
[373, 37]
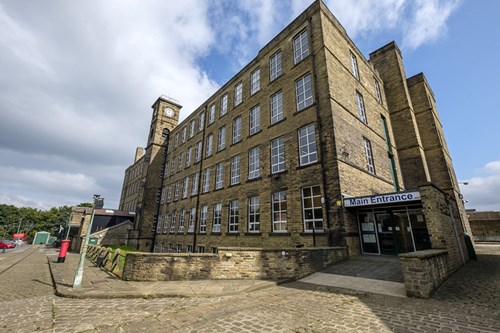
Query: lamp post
[19, 225]
[98, 203]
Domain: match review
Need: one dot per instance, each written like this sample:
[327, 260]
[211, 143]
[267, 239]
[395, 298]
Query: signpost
[98, 204]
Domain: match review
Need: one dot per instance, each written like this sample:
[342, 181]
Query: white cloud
[483, 190]
[427, 21]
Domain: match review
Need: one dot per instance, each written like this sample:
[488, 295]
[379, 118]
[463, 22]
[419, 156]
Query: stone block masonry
[231, 263]
[424, 271]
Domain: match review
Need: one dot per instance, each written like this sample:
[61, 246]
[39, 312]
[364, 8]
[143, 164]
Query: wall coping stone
[298, 249]
[425, 254]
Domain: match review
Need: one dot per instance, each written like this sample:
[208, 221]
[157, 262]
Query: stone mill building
[310, 144]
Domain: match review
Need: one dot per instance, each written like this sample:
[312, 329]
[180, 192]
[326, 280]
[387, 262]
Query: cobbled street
[467, 302]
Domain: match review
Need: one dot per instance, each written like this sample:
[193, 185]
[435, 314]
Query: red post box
[64, 250]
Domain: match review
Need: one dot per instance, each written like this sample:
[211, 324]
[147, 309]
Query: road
[468, 302]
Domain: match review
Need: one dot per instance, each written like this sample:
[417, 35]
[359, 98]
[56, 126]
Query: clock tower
[164, 119]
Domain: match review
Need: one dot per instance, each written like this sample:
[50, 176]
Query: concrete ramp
[375, 274]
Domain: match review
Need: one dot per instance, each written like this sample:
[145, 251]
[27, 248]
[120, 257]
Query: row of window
[312, 214]
[304, 98]
[303, 90]
[169, 248]
[355, 72]
[308, 154]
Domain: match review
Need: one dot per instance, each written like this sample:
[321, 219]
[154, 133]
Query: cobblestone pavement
[467, 302]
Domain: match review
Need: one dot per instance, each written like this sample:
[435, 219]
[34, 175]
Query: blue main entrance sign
[382, 199]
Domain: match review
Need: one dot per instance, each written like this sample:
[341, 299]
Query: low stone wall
[110, 260]
[231, 263]
[485, 226]
[424, 271]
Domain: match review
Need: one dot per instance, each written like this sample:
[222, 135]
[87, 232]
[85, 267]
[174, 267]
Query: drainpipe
[321, 146]
[158, 206]
[200, 178]
[456, 232]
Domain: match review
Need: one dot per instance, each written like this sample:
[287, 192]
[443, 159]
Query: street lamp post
[77, 283]
[19, 225]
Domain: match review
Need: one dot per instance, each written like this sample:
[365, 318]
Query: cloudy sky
[77, 79]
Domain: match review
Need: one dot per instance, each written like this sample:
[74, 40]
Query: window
[208, 150]
[312, 209]
[378, 95]
[253, 214]
[223, 105]
[192, 217]
[279, 211]
[201, 122]
[176, 142]
[217, 217]
[307, 145]
[158, 225]
[169, 193]
[236, 129]
[300, 47]
[189, 249]
[201, 249]
[277, 113]
[233, 216]
[172, 224]
[369, 156]
[254, 120]
[177, 187]
[238, 93]
[255, 81]
[185, 188]
[178, 248]
[165, 224]
[194, 186]
[188, 156]
[203, 219]
[254, 163]
[275, 66]
[361, 107]
[179, 164]
[354, 66]
[235, 170]
[181, 220]
[206, 181]
[303, 91]
[197, 152]
[191, 128]
[278, 155]
[211, 114]
[222, 138]
[184, 135]
[172, 166]
[219, 176]
[163, 196]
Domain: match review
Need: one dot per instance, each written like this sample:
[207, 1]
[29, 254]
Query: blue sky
[78, 80]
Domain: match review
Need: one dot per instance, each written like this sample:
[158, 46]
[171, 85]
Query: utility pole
[98, 203]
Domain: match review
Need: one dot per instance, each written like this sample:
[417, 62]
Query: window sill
[278, 174]
[253, 134]
[253, 234]
[218, 233]
[303, 109]
[233, 233]
[307, 165]
[276, 123]
[278, 234]
[218, 189]
[254, 179]
[233, 185]
[235, 143]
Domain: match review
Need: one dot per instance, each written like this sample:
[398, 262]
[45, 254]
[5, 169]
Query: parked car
[5, 244]
[18, 241]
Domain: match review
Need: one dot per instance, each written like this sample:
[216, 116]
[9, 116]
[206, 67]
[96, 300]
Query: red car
[5, 244]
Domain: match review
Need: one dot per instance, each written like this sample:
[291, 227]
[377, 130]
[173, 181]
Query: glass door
[368, 234]
[385, 228]
[402, 232]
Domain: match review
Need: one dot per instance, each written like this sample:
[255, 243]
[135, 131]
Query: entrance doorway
[393, 230]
